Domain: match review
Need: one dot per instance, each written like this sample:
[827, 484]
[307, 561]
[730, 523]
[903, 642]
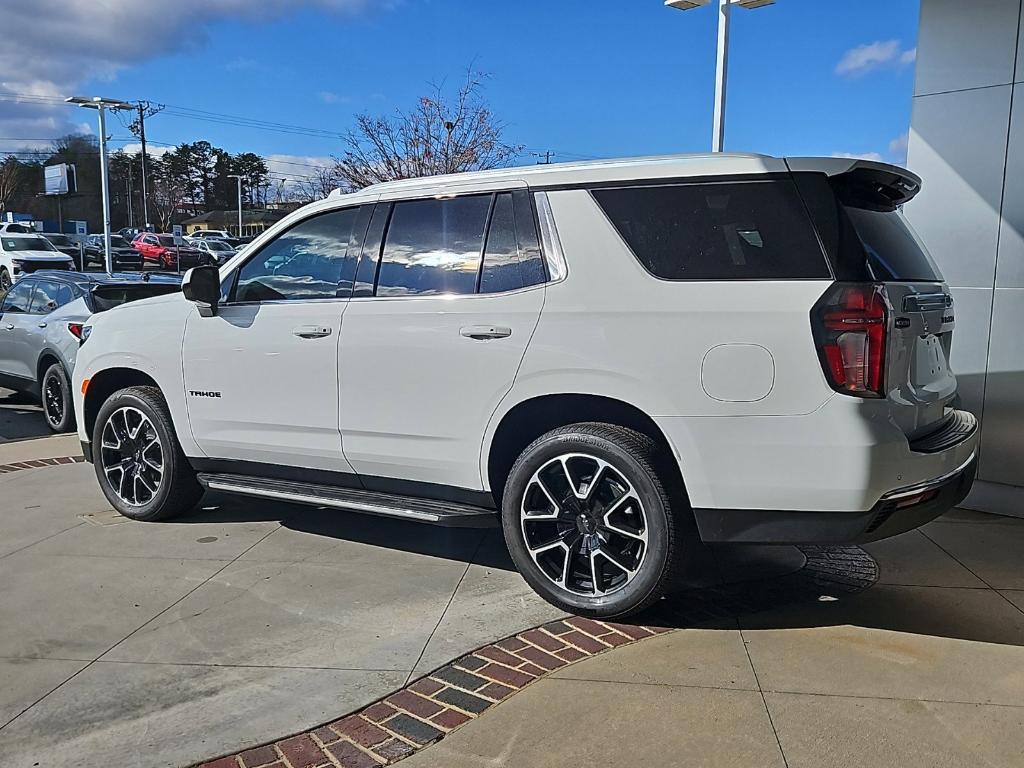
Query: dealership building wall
[967, 143]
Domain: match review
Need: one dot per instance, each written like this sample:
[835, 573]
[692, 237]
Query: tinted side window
[433, 247]
[18, 297]
[308, 261]
[731, 230]
[530, 256]
[46, 298]
[501, 270]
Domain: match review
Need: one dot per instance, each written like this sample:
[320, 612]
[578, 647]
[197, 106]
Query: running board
[447, 513]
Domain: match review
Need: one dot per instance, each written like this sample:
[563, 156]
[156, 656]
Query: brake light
[76, 330]
[849, 324]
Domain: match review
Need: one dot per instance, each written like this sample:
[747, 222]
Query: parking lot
[169, 644]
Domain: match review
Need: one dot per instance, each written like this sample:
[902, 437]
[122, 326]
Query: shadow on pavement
[21, 417]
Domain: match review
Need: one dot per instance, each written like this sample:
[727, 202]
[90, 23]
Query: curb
[406, 721]
[17, 466]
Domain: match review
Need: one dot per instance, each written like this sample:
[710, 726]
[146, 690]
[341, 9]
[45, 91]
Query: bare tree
[10, 180]
[438, 136]
[316, 185]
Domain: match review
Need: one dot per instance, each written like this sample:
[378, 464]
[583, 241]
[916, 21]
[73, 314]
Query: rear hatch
[869, 242]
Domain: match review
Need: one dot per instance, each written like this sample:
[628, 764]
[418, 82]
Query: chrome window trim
[551, 245]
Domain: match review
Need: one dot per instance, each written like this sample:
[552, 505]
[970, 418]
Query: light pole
[101, 105]
[239, 178]
[722, 57]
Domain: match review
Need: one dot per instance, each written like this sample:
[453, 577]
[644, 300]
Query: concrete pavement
[924, 669]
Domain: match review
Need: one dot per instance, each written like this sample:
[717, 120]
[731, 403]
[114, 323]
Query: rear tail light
[849, 324]
[76, 330]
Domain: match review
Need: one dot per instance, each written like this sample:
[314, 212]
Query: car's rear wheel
[56, 396]
[139, 463]
[5, 279]
[588, 521]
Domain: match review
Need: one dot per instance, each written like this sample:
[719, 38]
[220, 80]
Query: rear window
[864, 233]
[106, 297]
[719, 231]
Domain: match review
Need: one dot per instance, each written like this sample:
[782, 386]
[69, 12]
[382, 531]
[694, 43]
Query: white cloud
[860, 156]
[898, 148]
[873, 56]
[330, 97]
[61, 43]
[151, 150]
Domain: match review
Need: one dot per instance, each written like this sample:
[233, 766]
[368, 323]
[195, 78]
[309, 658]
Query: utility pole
[546, 160]
[138, 127]
[239, 179]
[101, 106]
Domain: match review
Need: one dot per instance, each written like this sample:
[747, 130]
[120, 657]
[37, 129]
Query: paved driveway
[126, 643]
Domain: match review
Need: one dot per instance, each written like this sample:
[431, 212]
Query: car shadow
[722, 586]
[21, 417]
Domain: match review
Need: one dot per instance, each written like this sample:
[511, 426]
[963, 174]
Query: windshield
[106, 297]
[215, 245]
[27, 244]
[166, 241]
[116, 241]
[59, 239]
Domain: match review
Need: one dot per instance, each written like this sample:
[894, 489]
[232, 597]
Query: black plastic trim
[390, 485]
[885, 519]
[86, 450]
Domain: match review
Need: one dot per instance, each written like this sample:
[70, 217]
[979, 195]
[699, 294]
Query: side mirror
[202, 286]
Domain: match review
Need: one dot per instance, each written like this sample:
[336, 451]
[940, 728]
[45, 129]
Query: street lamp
[722, 61]
[239, 178]
[101, 105]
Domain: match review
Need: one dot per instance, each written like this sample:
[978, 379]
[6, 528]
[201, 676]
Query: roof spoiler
[864, 183]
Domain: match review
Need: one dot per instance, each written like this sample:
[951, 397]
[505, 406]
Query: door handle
[311, 331]
[42, 325]
[9, 326]
[485, 332]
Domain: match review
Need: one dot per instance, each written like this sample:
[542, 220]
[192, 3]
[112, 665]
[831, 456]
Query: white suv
[618, 359]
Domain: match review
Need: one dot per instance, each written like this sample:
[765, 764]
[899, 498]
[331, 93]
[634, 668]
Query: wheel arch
[105, 383]
[47, 358]
[531, 418]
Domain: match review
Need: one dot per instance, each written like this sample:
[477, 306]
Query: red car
[161, 250]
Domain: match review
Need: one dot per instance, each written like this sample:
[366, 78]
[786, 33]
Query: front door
[261, 376]
[16, 323]
[428, 352]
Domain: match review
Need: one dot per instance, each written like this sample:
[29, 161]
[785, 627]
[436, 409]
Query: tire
[144, 494]
[629, 497]
[56, 397]
[5, 279]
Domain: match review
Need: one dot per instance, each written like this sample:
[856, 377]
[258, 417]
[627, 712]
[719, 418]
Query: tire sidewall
[5, 279]
[56, 371]
[153, 509]
[647, 488]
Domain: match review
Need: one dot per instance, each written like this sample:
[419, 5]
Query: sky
[579, 78]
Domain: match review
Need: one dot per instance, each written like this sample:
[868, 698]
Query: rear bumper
[896, 512]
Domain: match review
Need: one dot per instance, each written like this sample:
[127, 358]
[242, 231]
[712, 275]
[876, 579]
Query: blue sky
[582, 78]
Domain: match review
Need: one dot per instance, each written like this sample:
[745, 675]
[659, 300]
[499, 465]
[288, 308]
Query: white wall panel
[966, 44]
[961, 162]
[972, 308]
[1002, 439]
[1010, 269]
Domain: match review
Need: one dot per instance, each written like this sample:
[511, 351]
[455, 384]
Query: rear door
[859, 219]
[430, 346]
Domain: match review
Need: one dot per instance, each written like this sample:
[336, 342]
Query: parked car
[15, 227]
[218, 251]
[205, 234]
[130, 233]
[22, 254]
[63, 243]
[161, 250]
[122, 253]
[617, 359]
[41, 322]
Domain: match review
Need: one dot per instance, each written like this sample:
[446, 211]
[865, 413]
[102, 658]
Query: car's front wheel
[5, 279]
[56, 391]
[139, 463]
[588, 521]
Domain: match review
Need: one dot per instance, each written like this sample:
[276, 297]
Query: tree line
[441, 133]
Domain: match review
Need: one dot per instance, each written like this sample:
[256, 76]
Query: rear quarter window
[717, 231]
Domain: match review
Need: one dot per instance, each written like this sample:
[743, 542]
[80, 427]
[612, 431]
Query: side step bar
[444, 513]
